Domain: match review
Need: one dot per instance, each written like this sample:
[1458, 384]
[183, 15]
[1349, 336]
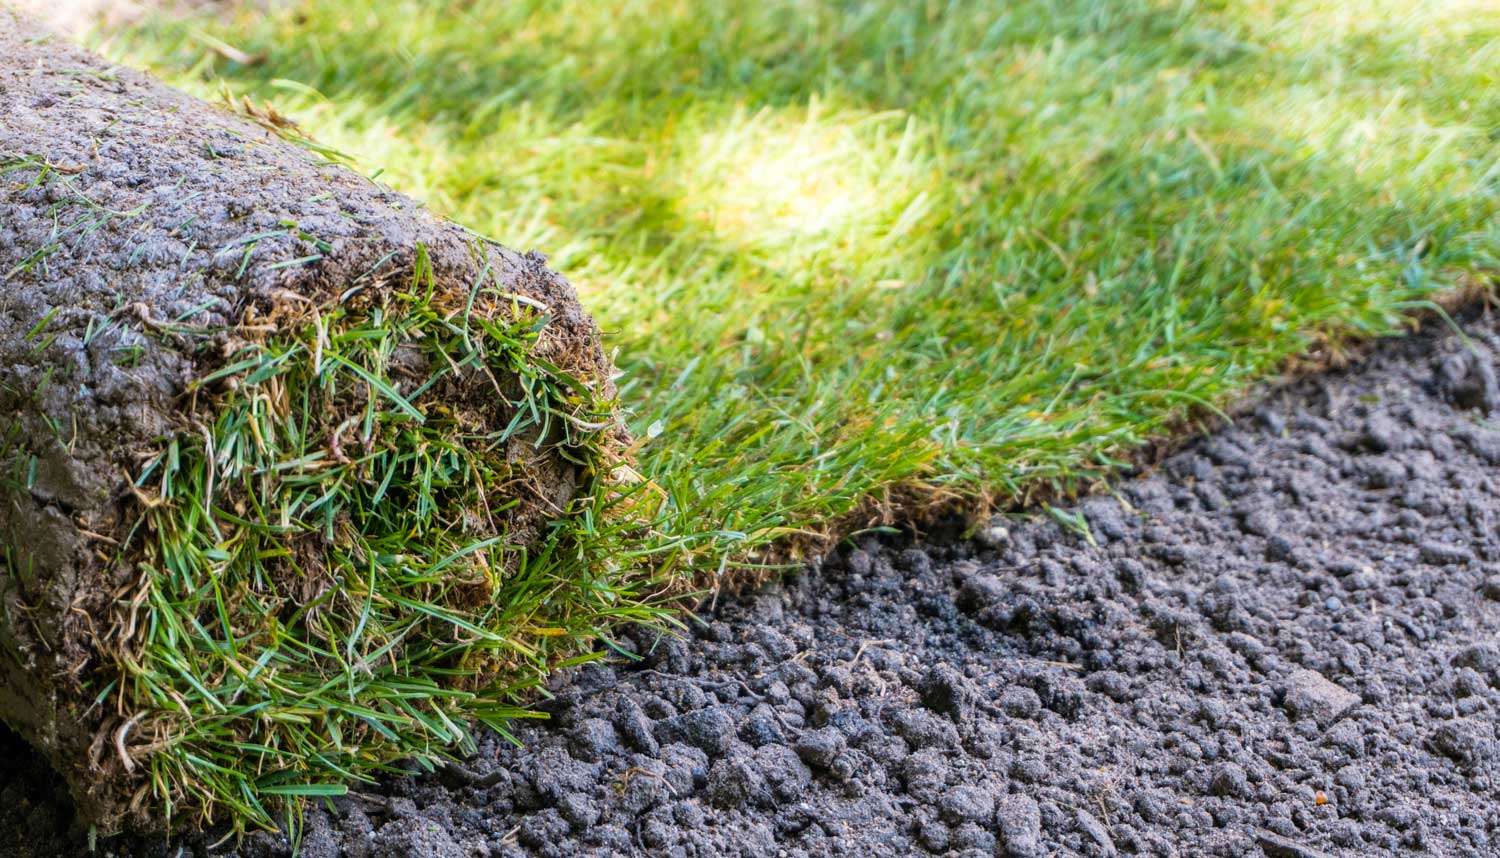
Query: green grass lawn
[912, 250]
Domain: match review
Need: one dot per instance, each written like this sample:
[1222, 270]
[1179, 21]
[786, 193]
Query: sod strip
[297, 479]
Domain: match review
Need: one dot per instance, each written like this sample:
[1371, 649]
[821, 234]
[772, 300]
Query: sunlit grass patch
[1408, 23]
[776, 181]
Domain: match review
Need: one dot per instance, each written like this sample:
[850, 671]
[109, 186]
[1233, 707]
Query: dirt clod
[1308, 694]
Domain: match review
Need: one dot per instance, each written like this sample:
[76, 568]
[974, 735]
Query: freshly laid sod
[912, 251]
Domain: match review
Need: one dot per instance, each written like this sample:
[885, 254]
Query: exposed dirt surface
[1282, 642]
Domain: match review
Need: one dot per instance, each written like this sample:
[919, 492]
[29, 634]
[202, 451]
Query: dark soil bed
[1282, 642]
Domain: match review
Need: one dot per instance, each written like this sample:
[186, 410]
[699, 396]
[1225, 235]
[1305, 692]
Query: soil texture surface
[1282, 641]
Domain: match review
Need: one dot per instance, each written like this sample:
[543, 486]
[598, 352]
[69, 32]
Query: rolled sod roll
[289, 467]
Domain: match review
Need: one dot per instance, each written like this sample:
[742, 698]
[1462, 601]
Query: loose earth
[1284, 640]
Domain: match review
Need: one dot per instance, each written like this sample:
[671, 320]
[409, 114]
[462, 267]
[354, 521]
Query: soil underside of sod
[1281, 641]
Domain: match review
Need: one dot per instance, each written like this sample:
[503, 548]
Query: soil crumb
[1284, 641]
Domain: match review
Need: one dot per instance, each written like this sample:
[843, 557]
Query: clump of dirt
[1284, 641]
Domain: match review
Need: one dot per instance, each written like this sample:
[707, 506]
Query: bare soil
[1281, 642]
